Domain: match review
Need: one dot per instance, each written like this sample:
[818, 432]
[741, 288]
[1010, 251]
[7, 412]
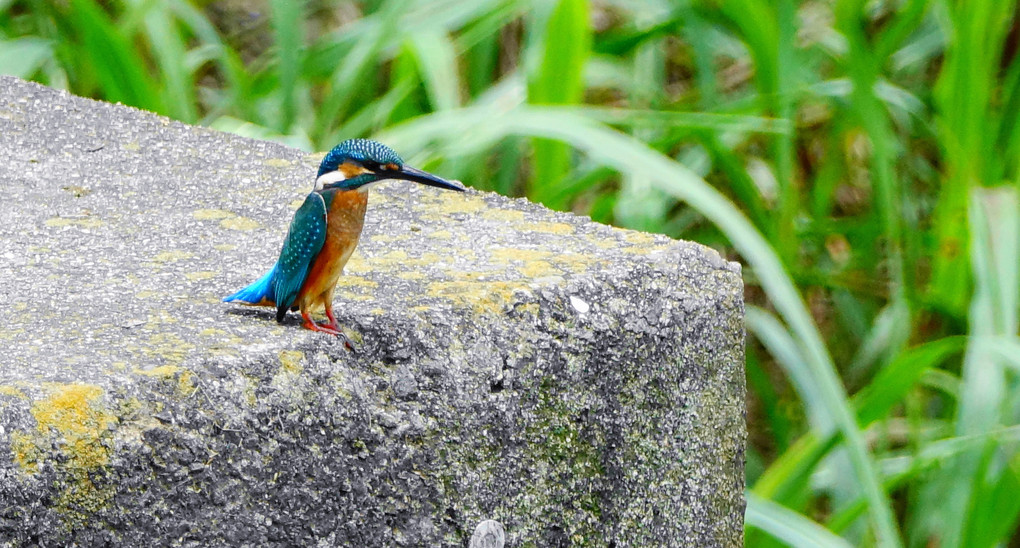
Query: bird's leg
[332, 319]
[309, 324]
[336, 327]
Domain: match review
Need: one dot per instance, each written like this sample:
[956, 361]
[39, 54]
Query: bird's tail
[259, 293]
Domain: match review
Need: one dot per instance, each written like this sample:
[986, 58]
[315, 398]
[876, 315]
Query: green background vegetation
[860, 158]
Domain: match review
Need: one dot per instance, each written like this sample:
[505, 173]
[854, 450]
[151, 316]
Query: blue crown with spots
[361, 151]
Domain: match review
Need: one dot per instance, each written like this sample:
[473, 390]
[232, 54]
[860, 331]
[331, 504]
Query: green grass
[861, 159]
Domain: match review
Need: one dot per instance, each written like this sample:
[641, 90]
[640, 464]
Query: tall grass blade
[964, 96]
[935, 455]
[169, 49]
[288, 28]
[437, 63]
[967, 487]
[118, 66]
[353, 67]
[565, 47]
[768, 29]
[777, 340]
[639, 204]
[895, 380]
[788, 526]
[236, 95]
[23, 57]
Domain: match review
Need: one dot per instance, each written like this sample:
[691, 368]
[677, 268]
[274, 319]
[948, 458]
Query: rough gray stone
[580, 384]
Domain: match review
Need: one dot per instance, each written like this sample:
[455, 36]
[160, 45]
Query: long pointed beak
[408, 173]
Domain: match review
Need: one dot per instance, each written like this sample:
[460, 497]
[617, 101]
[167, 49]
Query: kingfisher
[326, 229]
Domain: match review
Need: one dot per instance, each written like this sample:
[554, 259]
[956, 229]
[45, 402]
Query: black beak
[408, 173]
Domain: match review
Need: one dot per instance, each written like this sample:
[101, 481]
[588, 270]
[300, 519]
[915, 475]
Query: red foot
[332, 319]
[331, 327]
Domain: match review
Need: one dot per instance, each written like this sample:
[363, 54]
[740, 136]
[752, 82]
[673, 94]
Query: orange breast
[344, 220]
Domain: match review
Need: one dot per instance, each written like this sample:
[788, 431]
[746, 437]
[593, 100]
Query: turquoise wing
[304, 241]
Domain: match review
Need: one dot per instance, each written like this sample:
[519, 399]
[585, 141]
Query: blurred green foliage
[861, 158]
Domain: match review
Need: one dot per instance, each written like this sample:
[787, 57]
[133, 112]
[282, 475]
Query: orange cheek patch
[351, 171]
[391, 167]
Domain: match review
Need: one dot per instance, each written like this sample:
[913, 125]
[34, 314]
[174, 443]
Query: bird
[326, 229]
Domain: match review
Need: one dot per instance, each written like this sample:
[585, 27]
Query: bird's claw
[330, 330]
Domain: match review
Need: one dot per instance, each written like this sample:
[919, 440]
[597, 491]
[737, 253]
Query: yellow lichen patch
[539, 269]
[641, 250]
[18, 307]
[223, 351]
[77, 190]
[295, 204]
[575, 262]
[26, 452]
[394, 260]
[184, 377]
[132, 146]
[239, 223]
[469, 276]
[10, 335]
[146, 294]
[201, 275]
[249, 392]
[356, 282]
[505, 215]
[163, 371]
[562, 229]
[224, 247]
[441, 235]
[171, 256]
[349, 294]
[483, 297]
[511, 254]
[221, 336]
[455, 202]
[279, 162]
[38, 249]
[72, 415]
[160, 318]
[425, 260]
[211, 214]
[377, 311]
[291, 360]
[168, 346]
[86, 222]
[376, 199]
[639, 238]
[411, 275]
[536, 263]
[186, 383]
[8, 390]
[387, 238]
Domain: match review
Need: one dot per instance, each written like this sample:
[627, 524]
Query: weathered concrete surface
[581, 385]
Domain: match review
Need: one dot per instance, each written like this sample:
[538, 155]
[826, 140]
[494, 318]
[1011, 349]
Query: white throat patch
[329, 178]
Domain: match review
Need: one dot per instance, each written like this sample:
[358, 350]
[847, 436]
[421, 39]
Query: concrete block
[578, 384]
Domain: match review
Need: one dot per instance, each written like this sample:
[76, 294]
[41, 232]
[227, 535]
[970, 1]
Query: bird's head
[355, 163]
